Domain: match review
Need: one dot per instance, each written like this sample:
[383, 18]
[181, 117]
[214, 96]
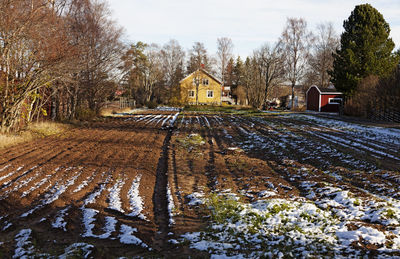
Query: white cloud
[249, 23]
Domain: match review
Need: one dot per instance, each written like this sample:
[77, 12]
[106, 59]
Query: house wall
[325, 106]
[187, 84]
[313, 99]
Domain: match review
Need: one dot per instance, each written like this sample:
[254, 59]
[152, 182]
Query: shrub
[85, 114]
[151, 105]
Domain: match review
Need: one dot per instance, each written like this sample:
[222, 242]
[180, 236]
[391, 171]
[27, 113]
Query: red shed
[323, 99]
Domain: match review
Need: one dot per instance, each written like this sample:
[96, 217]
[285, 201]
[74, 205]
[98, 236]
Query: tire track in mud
[160, 200]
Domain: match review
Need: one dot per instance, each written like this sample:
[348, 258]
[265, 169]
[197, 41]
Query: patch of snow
[60, 222]
[85, 182]
[88, 219]
[171, 205]
[114, 196]
[53, 195]
[266, 194]
[127, 237]
[24, 247]
[135, 200]
[6, 226]
[195, 198]
[71, 250]
[109, 227]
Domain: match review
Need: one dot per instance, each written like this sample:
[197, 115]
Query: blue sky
[249, 23]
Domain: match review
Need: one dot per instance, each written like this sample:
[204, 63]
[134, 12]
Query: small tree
[295, 43]
[224, 53]
[321, 58]
[365, 49]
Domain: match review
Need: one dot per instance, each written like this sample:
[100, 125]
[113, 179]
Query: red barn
[323, 99]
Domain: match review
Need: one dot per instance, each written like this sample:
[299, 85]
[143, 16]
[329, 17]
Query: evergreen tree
[366, 49]
[238, 72]
[229, 74]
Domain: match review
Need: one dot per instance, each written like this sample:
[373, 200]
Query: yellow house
[200, 87]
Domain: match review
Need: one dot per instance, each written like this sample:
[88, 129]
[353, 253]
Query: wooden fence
[385, 115]
[126, 103]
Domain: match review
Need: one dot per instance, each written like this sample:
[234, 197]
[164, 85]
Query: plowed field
[146, 184]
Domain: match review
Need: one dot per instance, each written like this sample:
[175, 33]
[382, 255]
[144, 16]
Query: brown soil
[238, 154]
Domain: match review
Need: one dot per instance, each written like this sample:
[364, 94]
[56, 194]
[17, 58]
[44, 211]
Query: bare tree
[98, 41]
[33, 47]
[198, 58]
[272, 65]
[172, 58]
[295, 43]
[321, 58]
[224, 54]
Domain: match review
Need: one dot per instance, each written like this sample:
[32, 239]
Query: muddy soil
[138, 171]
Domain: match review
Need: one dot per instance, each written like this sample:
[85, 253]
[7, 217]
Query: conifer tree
[366, 49]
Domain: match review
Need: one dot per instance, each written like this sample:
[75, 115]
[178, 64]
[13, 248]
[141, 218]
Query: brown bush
[374, 97]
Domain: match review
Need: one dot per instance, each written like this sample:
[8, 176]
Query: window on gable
[210, 93]
[205, 81]
[191, 93]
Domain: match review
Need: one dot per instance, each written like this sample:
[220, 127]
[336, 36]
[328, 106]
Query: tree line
[57, 56]
[65, 58]
[152, 72]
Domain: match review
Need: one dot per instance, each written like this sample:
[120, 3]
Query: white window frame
[208, 94]
[205, 81]
[191, 93]
[335, 98]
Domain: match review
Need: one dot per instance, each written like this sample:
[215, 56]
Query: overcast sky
[249, 23]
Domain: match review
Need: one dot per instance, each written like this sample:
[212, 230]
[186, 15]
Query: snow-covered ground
[135, 200]
[325, 227]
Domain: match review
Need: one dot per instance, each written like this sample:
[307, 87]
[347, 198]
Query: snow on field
[172, 121]
[195, 198]
[24, 247]
[4, 168]
[18, 184]
[7, 225]
[171, 206]
[135, 200]
[93, 196]
[40, 183]
[59, 222]
[310, 228]
[53, 194]
[114, 196]
[206, 120]
[89, 217]
[127, 237]
[109, 227]
[156, 117]
[384, 135]
[84, 250]
[165, 120]
[85, 182]
[278, 139]
[170, 109]
[8, 175]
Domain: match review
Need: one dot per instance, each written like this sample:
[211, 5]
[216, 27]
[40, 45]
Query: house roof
[205, 72]
[326, 90]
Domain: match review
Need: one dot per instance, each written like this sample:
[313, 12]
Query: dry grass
[34, 131]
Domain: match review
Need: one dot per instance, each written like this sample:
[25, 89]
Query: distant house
[200, 87]
[323, 99]
[227, 94]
